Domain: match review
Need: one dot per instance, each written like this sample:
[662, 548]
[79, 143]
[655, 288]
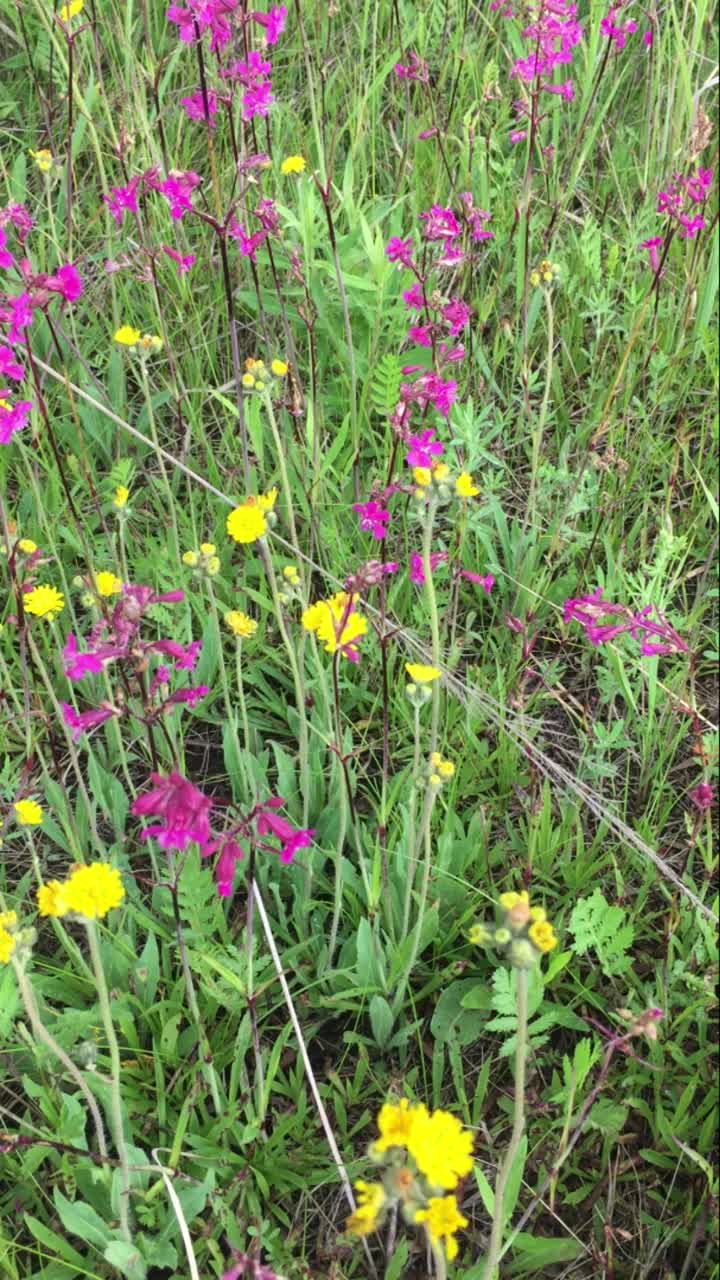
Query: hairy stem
[518, 1128]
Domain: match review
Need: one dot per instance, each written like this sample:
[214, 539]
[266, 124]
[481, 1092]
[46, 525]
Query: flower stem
[431, 601]
[426, 841]
[303, 746]
[517, 1129]
[411, 863]
[160, 458]
[115, 1095]
[539, 427]
[41, 1033]
[439, 1260]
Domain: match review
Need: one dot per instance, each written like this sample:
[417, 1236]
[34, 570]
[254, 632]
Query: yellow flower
[71, 10]
[240, 624]
[149, 342]
[422, 476]
[443, 769]
[279, 368]
[443, 1218]
[43, 159]
[27, 546]
[291, 575]
[440, 472]
[479, 935]
[8, 920]
[190, 558]
[28, 813]
[266, 501]
[121, 496]
[325, 618]
[508, 901]
[90, 891]
[50, 899]
[419, 673]
[107, 584]
[441, 1148]
[208, 548]
[127, 336]
[542, 935]
[44, 602]
[246, 523]
[395, 1123]
[248, 380]
[293, 164]
[464, 486]
[370, 1200]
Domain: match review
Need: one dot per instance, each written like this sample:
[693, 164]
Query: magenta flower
[424, 449]
[230, 853]
[183, 261]
[648, 38]
[185, 655]
[9, 367]
[182, 808]
[373, 518]
[76, 664]
[657, 637]
[177, 190]
[187, 697]
[566, 90]
[195, 106]
[81, 722]
[6, 258]
[652, 247]
[257, 100]
[13, 417]
[67, 282]
[122, 200]
[400, 251]
[421, 334]
[250, 72]
[414, 69]
[269, 822]
[487, 583]
[272, 22]
[690, 226]
[617, 33]
[457, 314]
[702, 796]
[417, 569]
[440, 223]
[19, 317]
[413, 298]
[248, 245]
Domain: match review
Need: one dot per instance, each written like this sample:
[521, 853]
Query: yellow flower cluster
[545, 273]
[293, 164]
[255, 375]
[440, 770]
[43, 159]
[44, 602]
[120, 497]
[419, 673]
[127, 336]
[240, 624]
[249, 521]
[438, 480]
[107, 584]
[205, 560]
[526, 930]
[8, 920]
[28, 813]
[426, 1153]
[336, 623]
[89, 891]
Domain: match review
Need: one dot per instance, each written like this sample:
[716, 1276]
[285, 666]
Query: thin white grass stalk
[181, 1220]
[115, 1087]
[498, 714]
[325, 1122]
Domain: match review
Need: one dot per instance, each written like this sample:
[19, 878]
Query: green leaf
[52, 1240]
[381, 1020]
[396, 1265]
[598, 926]
[534, 1253]
[127, 1259]
[82, 1221]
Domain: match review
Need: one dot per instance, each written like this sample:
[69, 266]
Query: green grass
[573, 764]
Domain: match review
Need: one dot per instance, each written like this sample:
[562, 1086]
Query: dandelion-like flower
[441, 1148]
[464, 486]
[247, 523]
[8, 920]
[44, 602]
[395, 1123]
[240, 624]
[370, 1202]
[126, 335]
[120, 497]
[43, 159]
[28, 813]
[337, 624]
[107, 584]
[293, 164]
[71, 10]
[443, 1220]
[90, 891]
[419, 673]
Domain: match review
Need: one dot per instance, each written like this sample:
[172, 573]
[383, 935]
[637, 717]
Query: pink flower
[195, 106]
[13, 419]
[184, 655]
[250, 72]
[373, 518]
[184, 811]
[19, 317]
[66, 281]
[273, 22]
[413, 298]
[18, 217]
[230, 854]
[702, 796]
[690, 226]
[257, 100]
[698, 185]
[487, 583]
[76, 664]
[440, 223]
[123, 200]
[424, 449]
[188, 697]
[652, 247]
[518, 135]
[566, 90]
[417, 568]
[457, 314]
[183, 262]
[269, 822]
[9, 368]
[414, 69]
[648, 37]
[177, 190]
[81, 722]
[421, 334]
[400, 251]
[6, 258]
[247, 244]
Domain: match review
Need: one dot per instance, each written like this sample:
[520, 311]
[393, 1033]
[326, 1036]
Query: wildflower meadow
[358, 640]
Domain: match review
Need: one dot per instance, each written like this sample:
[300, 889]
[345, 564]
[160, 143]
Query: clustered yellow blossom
[44, 602]
[439, 483]
[240, 624]
[440, 770]
[525, 931]
[90, 891]
[255, 375]
[206, 560]
[249, 521]
[336, 623]
[127, 336]
[27, 546]
[293, 164]
[419, 673]
[545, 273]
[107, 584]
[43, 159]
[424, 1155]
[120, 497]
[28, 813]
[8, 920]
